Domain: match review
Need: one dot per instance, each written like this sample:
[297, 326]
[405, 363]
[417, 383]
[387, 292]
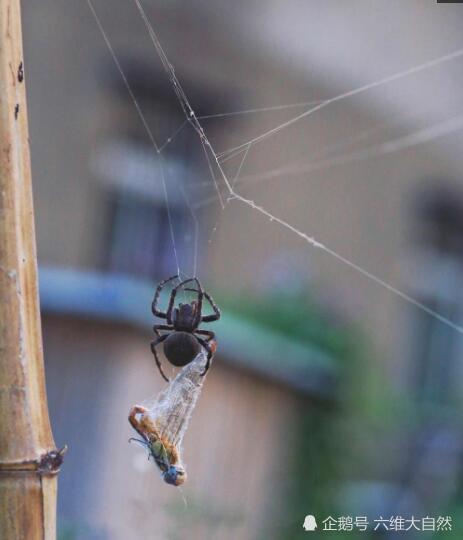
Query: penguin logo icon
[310, 524]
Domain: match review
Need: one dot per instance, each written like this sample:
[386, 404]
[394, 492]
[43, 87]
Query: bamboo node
[48, 464]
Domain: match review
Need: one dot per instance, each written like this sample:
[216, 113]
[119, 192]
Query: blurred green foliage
[294, 315]
[319, 450]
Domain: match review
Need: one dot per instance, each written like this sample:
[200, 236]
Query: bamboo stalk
[28, 464]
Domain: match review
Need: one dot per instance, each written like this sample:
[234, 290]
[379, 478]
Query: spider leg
[199, 308]
[210, 352]
[206, 318]
[153, 350]
[210, 339]
[199, 305]
[154, 305]
[210, 335]
[173, 294]
[196, 280]
[216, 316]
[158, 327]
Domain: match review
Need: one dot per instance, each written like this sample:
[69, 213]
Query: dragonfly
[164, 453]
[162, 422]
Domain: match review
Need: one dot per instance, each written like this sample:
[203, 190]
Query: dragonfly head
[175, 475]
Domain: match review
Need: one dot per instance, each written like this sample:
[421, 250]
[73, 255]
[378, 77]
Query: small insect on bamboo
[183, 340]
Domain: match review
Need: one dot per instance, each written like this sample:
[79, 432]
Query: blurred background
[329, 395]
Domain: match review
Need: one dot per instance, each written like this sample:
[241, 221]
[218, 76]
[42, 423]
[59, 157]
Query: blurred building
[104, 240]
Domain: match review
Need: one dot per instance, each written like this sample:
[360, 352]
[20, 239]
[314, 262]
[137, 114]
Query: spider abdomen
[181, 348]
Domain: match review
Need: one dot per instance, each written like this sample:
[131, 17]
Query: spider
[183, 343]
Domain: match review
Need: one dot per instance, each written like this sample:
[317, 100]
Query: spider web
[226, 191]
[162, 421]
[173, 407]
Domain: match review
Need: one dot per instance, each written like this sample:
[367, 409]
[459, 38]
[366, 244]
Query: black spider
[181, 345]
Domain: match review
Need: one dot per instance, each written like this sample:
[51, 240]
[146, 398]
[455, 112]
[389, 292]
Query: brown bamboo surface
[27, 469]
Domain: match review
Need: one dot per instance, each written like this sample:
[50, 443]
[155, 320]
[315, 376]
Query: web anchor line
[260, 109]
[391, 78]
[409, 140]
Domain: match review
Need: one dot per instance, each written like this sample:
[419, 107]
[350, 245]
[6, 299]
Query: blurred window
[139, 239]
[436, 277]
